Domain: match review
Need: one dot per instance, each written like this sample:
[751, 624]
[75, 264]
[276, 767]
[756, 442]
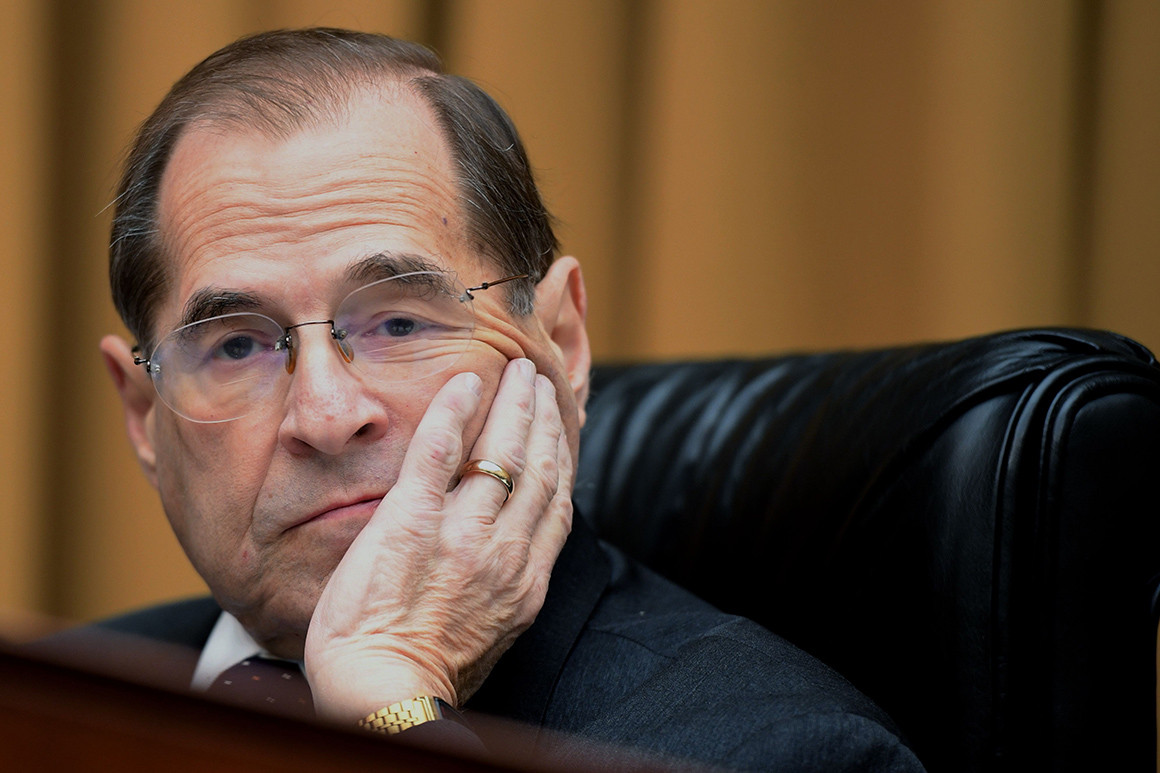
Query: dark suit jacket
[621, 656]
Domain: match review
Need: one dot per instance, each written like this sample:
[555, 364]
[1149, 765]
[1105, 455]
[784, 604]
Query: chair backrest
[968, 531]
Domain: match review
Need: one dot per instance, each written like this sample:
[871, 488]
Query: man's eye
[397, 327]
[237, 348]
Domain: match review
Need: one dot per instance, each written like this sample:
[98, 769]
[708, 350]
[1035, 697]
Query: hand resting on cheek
[446, 574]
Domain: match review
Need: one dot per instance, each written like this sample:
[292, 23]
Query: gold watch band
[399, 716]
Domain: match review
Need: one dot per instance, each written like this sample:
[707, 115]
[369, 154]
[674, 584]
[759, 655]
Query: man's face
[266, 505]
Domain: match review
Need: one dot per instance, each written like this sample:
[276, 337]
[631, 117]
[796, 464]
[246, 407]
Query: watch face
[444, 710]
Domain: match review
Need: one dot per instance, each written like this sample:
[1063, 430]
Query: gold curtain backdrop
[737, 177]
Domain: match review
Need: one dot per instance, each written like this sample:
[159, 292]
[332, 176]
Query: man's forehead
[226, 190]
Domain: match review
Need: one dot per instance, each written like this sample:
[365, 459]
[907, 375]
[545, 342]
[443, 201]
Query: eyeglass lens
[394, 330]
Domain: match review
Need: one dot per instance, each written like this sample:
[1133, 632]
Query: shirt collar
[228, 644]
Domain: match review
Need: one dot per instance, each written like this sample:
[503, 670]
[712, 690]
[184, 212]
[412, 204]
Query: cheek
[209, 477]
[409, 406]
[503, 342]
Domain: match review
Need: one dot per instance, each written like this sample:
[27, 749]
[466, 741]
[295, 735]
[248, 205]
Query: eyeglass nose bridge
[339, 336]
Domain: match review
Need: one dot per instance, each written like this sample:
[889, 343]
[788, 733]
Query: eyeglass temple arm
[493, 283]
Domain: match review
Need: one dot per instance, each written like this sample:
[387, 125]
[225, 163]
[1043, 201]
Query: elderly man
[358, 382]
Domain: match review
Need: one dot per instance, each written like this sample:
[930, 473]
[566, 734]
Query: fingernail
[475, 384]
[527, 368]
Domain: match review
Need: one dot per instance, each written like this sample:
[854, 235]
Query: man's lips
[363, 507]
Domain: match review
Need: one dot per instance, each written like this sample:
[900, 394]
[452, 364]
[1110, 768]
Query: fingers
[441, 582]
[434, 455]
[540, 480]
[505, 435]
[522, 434]
[538, 515]
[556, 526]
[551, 529]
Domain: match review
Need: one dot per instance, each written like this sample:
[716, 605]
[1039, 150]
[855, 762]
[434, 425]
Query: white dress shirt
[228, 644]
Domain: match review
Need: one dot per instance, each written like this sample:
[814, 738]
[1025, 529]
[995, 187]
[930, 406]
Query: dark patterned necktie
[265, 684]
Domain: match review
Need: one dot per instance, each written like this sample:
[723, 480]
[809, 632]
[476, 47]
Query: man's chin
[279, 618]
[276, 606]
[281, 631]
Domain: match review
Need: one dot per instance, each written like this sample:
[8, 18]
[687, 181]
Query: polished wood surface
[55, 717]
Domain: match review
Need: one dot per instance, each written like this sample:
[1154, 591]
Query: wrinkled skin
[333, 524]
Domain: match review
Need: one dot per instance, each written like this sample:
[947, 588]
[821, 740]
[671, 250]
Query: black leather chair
[968, 531]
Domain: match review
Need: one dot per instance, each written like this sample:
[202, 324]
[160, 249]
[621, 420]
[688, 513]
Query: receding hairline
[285, 106]
[282, 80]
[389, 93]
[337, 112]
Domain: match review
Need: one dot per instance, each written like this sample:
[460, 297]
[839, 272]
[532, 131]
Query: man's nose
[328, 404]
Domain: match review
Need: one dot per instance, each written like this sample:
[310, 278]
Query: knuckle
[517, 457]
[535, 590]
[441, 442]
[510, 563]
[563, 505]
[544, 476]
[461, 538]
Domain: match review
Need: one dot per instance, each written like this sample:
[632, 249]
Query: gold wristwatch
[399, 716]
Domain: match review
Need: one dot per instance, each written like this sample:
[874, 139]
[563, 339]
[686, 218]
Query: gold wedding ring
[492, 469]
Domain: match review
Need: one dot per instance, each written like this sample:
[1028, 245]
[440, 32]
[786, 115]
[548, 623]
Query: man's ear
[138, 399]
[562, 308]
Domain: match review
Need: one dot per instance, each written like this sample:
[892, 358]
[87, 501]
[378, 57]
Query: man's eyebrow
[384, 265]
[213, 302]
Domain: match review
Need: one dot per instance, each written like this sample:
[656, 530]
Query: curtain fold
[736, 177]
